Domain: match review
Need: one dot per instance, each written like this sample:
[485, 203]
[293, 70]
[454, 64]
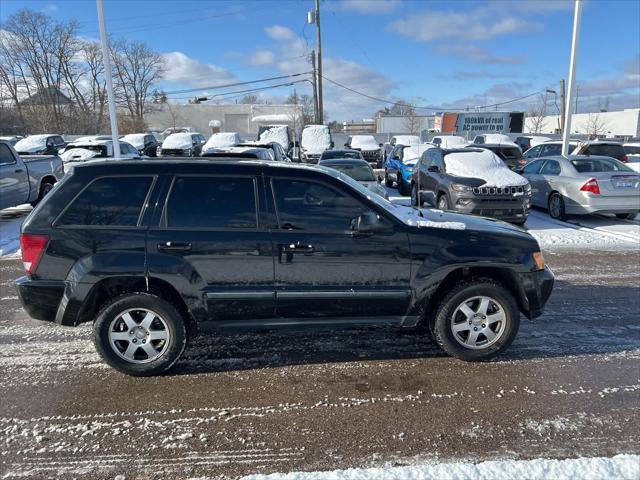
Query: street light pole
[319, 118]
[572, 77]
[106, 60]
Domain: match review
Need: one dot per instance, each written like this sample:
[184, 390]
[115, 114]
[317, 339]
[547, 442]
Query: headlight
[538, 259]
[461, 188]
[527, 189]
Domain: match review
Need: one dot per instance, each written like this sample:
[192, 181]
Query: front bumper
[537, 287]
[508, 208]
[40, 298]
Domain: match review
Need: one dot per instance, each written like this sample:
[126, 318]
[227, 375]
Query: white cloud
[262, 57]
[479, 24]
[278, 32]
[369, 7]
[184, 70]
[480, 55]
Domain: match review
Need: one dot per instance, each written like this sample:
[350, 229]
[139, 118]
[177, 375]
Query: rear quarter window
[108, 201]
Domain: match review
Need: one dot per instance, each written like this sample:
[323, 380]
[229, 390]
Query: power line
[226, 95]
[391, 102]
[237, 84]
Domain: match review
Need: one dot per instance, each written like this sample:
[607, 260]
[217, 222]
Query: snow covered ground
[620, 467]
[10, 221]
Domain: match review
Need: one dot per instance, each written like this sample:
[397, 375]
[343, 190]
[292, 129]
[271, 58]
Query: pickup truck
[26, 179]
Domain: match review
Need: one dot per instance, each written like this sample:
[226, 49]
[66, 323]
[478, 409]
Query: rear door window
[552, 167]
[109, 201]
[212, 202]
[6, 157]
[533, 167]
[550, 150]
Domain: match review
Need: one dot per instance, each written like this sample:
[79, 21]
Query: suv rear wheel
[477, 320]
[45, 188]
[140, 334]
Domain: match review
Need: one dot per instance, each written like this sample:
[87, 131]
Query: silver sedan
[582, 184]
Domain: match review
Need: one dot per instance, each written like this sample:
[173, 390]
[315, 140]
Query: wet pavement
[275, 401]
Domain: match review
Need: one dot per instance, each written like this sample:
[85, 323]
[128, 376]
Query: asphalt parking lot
[272, 401]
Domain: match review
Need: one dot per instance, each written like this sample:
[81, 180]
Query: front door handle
[174, 246]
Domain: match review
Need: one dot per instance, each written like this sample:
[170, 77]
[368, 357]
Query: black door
[321, 267]
[210, 239]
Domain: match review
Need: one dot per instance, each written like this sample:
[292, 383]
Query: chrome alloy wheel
[478, 322]
[139, 335]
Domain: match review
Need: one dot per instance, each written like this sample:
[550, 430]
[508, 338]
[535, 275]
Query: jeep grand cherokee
[151, 252]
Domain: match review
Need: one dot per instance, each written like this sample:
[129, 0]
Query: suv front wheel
[140, 334]
[476, 321]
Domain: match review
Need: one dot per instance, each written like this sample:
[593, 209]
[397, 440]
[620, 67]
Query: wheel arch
[504, 276]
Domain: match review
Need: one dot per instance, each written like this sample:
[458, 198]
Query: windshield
[595, 165]
[511, 152]
[361, 173]
[331, 154]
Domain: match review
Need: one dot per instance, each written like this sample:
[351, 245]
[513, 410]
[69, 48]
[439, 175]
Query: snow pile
[484, 165]
[178, 141]
[364, 142]
[221, 140]
[496, 138]
[407, 140]
[620, 467]
[415, 151]
[135, 139]
[410, 216]
[33, 143]
[78, 154]
[316, 139]
[278, 134]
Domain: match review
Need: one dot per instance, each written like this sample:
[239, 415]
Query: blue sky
[443, 54]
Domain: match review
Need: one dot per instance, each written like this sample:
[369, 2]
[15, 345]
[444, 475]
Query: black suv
[154, 251]
[432, 182]
[509, 154]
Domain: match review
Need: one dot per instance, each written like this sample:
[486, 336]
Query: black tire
[171, 349]
[45, 188]
[626, 216]
[387, 181]
[558, 212]
[443, 202]
[415, 195]
[403, 189]
[442, 325]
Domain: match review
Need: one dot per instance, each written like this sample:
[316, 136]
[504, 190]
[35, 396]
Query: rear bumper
[604, 204]
[537, 287]
[40, 298]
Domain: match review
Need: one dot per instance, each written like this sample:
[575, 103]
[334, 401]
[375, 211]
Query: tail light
[624, 159]
[591, 186]
[32, 247]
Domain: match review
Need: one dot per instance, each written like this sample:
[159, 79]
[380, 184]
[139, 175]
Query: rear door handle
[174, 246]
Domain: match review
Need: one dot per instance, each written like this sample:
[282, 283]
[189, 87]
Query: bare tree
[249, 99]
[413, 123]
[136, 69]
[303, 109]
[536, 120]
[595, 126]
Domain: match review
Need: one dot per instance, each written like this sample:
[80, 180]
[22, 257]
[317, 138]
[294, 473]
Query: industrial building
[621, 124]
[242, 118]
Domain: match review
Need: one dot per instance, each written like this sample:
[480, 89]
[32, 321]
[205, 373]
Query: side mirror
[381, 145]
[368, 223]
[331, 144]
[434, 168]
[395, 157]
[346, 145]
[379, 179]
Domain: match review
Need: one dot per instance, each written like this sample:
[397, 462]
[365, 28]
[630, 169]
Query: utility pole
[315, 88]
[575, 41]
[319, 118]
[577, 92]
[562, 105]
[106, 60]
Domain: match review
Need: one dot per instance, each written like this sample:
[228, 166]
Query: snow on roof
[483, 164]
[276, 133]
[178, 140]
[222, 140]
[453, 141]
[364, 142]
[495, 137]
[135, 139]
[32, 141]
[316, 138]
[415, 151]
[407, 140]
[272, 118]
